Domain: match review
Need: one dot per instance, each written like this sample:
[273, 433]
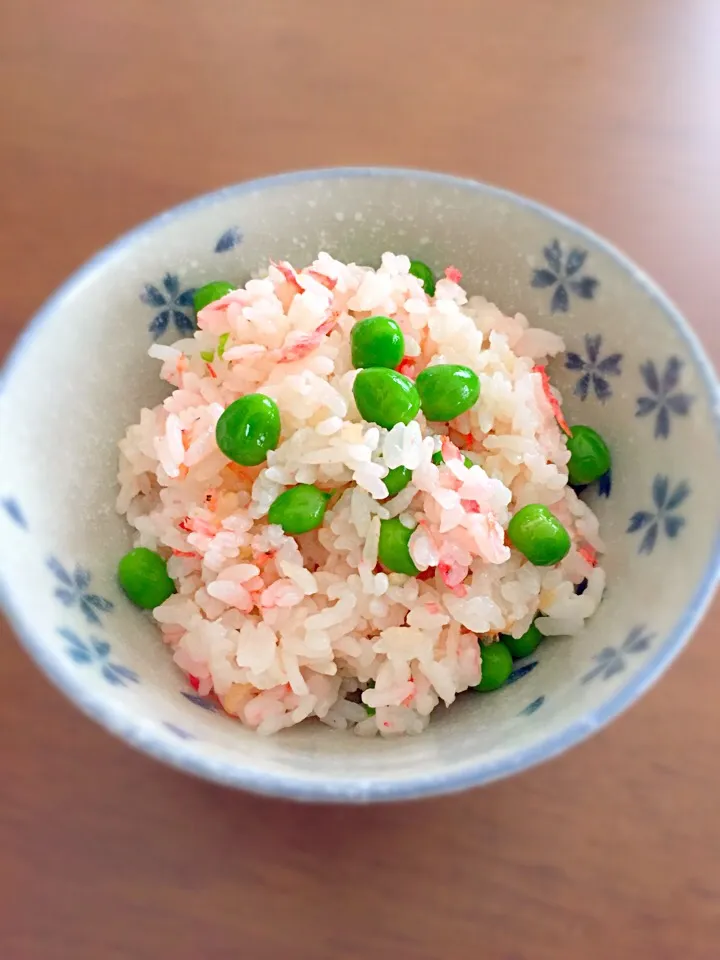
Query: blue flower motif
[174, 305]
[229, 240]
[562, 273]
[73, 590]
[612, 660]
[664, 399]
[595, 370]
[666, 503]
[521, 671]
[604, 484]
[94, 652]
[199, 701]
[532, 707]
[12, 509]
[178, 731]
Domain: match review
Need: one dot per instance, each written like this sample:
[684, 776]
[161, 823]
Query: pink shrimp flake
[465, 440]
[260, 559]
[328, 282]
[175, 377]
[452, 574]
[307, 342]
[449, 450]
[203, 527]
[453, 274]
[288, 274]
[589, 554]
[552, 400]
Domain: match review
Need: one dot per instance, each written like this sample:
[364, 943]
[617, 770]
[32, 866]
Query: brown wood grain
[112, 111]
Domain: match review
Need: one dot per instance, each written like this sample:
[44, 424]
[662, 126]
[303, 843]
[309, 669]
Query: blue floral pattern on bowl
[612, 660]
[179, 732]
[96, 653]
[521, 671]
[665, 517]
[176, 306]
[72, 590]
[14, 511]
[595, 369]
[663, 398]
[203, 702]
[604, 484]
[229, 240]
[533, 706]
[562, 274]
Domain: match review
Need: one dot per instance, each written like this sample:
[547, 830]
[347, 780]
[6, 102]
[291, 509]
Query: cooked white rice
[283, 628]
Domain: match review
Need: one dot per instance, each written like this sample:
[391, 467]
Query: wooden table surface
[113, 111]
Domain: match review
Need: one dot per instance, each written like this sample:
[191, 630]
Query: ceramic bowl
[80, 374]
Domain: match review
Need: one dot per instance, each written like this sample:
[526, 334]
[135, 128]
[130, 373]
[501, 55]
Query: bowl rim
[178, 753]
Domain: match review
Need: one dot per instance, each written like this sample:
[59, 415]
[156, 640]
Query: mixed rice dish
[359, 499]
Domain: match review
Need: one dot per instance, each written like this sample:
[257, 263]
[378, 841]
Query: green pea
[299, 509]
[447, 390]
[423, 272]
[209, 355]
[538, 534]
[495, 665]
[397, 479]
[437, 459]
[248, 428]
[385, 396]
[210, 293]
[589, 456]
[144, 578]
[525, 645]
[222, 343]
[393, 550]
[377, 342]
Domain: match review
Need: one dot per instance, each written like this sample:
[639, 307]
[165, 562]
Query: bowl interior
[81, 374]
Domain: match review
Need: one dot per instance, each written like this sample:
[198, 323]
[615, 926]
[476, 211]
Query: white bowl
[80, 374]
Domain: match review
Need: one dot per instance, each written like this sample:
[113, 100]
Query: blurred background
[113, 111]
